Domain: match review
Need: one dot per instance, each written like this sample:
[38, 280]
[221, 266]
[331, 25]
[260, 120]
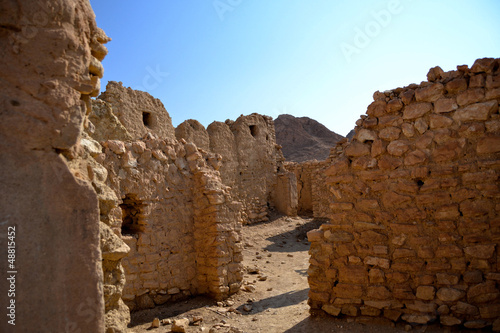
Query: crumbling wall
[414, 212]
[310, 187]
[85, 167]
[50, 65]
[222, 142]
[139, 113]
[259, 162]
[284, 194]
[172, 204]
[177, 217]
[251, 162]
[193, 131]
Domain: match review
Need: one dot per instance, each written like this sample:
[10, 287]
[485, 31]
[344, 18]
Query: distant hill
[350, 135]
[303, 138]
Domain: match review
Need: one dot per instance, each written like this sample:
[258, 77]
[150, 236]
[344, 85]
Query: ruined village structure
[120, 211]
[413, 205]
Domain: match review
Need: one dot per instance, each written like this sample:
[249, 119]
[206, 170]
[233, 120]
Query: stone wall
[312, 193]
[179, 220]
[139, 113]
[284, 195]
[414, 206]
[252, 162]
[193, 131]
[50, 65]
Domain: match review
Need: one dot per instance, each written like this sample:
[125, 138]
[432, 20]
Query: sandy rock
[113, 248]
[249, 288]
[45, 91]
[155, 323]
[476, 324]
[449, 294]
[180, 325]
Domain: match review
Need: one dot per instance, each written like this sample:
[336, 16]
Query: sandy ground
[276, 258]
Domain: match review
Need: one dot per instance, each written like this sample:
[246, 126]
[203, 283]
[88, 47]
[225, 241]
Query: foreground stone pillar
[47, 74]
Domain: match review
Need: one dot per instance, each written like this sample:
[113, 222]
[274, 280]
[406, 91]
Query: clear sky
[324, 59]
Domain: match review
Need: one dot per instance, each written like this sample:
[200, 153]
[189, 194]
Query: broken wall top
[139, 112]
[413, 205]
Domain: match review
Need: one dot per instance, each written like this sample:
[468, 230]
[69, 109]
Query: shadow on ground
[278, 301]
[298, 235]
[169, 310]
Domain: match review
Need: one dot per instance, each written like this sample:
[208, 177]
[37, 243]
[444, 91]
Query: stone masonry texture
[251, 163]
[413, 206]
[116, 210]
[173, 211]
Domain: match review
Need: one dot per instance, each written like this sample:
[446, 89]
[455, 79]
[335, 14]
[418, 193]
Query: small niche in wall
[132, 215]
[419, 182]
[147, 119]
[254, 130]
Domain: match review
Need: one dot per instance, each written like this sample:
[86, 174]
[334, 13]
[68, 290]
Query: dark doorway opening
[132, 215]
[147, 119]
[254, 130]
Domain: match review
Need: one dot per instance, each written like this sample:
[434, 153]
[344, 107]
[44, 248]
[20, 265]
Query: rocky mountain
[303, 138]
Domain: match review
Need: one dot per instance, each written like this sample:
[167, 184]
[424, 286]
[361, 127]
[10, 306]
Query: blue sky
[324, 59]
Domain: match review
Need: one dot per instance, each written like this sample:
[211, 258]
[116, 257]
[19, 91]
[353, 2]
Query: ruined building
[252, 163]
[101, 198]
[184, 194]
[180, 221]
[413, 206]
[113, 209]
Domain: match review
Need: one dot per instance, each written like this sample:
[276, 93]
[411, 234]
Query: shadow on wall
[132, 215]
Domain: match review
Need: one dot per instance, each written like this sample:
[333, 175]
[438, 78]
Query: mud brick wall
[414, 207]
[172, 210]
[313, 194]
[178, 219]
[284, 194]
[139, 113]
[303, 175]
[251, 162]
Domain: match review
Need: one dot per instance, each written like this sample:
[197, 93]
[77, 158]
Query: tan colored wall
[180, 202]
[414, 215]
[50, 65]
[193, 131]
[284, 194]
[178, 218]
[251, 161]
[310, 187]
[138, 112]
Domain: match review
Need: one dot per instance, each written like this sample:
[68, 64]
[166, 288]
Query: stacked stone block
[187, 232]
[414, 206]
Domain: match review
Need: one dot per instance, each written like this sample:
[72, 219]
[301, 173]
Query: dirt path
[276, 257]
